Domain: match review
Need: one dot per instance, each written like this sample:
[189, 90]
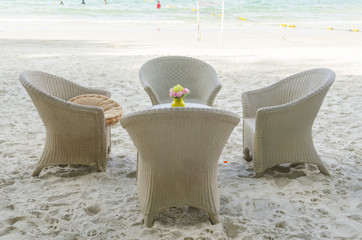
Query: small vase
[178, 102]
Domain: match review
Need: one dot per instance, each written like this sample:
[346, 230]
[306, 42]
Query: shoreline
[238, 36]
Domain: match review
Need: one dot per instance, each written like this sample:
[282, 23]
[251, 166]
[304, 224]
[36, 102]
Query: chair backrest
[163, 73]
[180, 137]
[54, 86]
[303, 84]
[50, 93]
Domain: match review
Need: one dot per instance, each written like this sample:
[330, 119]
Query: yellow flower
[177, 88]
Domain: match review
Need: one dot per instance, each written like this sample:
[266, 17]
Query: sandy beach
[288, 202]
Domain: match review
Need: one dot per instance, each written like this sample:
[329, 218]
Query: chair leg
[148, 219]
[259, 174]
[109, 140]
[137, 167]
[36, 171]
[214, 219]
[247, 154]
[323, 169]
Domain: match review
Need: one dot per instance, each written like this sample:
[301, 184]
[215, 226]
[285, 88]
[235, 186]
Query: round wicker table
[112, 110]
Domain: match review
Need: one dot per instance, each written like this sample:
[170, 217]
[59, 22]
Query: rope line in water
[244, 19]
[328, 28]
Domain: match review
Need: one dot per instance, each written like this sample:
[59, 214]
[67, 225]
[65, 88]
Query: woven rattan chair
[158, 75]
[278, 119]
[75, 134]
[178, 152]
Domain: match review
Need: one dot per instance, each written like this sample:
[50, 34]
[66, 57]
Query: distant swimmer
[83, 2]
[158, 4]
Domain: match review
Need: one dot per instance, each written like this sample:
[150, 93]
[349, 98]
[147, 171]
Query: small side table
[112, 110]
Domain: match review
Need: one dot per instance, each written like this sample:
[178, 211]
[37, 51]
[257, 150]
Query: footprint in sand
[93, 210]
[12, 221]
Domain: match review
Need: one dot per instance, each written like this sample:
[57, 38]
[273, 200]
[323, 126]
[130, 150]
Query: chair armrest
[70, 90]
[57, 86]
[290, 89]
[213, 87]
[301, 112]
[97, 91]
[259, 98]
[55, 111]
[150, 91]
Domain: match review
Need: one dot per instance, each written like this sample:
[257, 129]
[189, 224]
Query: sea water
[344, 13]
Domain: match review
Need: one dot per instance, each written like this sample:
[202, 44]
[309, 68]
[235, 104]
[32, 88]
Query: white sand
[77, 203]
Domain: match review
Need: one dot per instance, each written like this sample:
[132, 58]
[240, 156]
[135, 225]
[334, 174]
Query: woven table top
[112, 110]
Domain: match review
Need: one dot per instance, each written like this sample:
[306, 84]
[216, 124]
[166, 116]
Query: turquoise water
[327, 12]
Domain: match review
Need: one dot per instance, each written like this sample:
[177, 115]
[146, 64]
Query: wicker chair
[75, 134]
[158, 75]
[178, 152]
[278, 119]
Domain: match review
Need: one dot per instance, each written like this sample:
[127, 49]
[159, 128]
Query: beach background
[104, 46]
